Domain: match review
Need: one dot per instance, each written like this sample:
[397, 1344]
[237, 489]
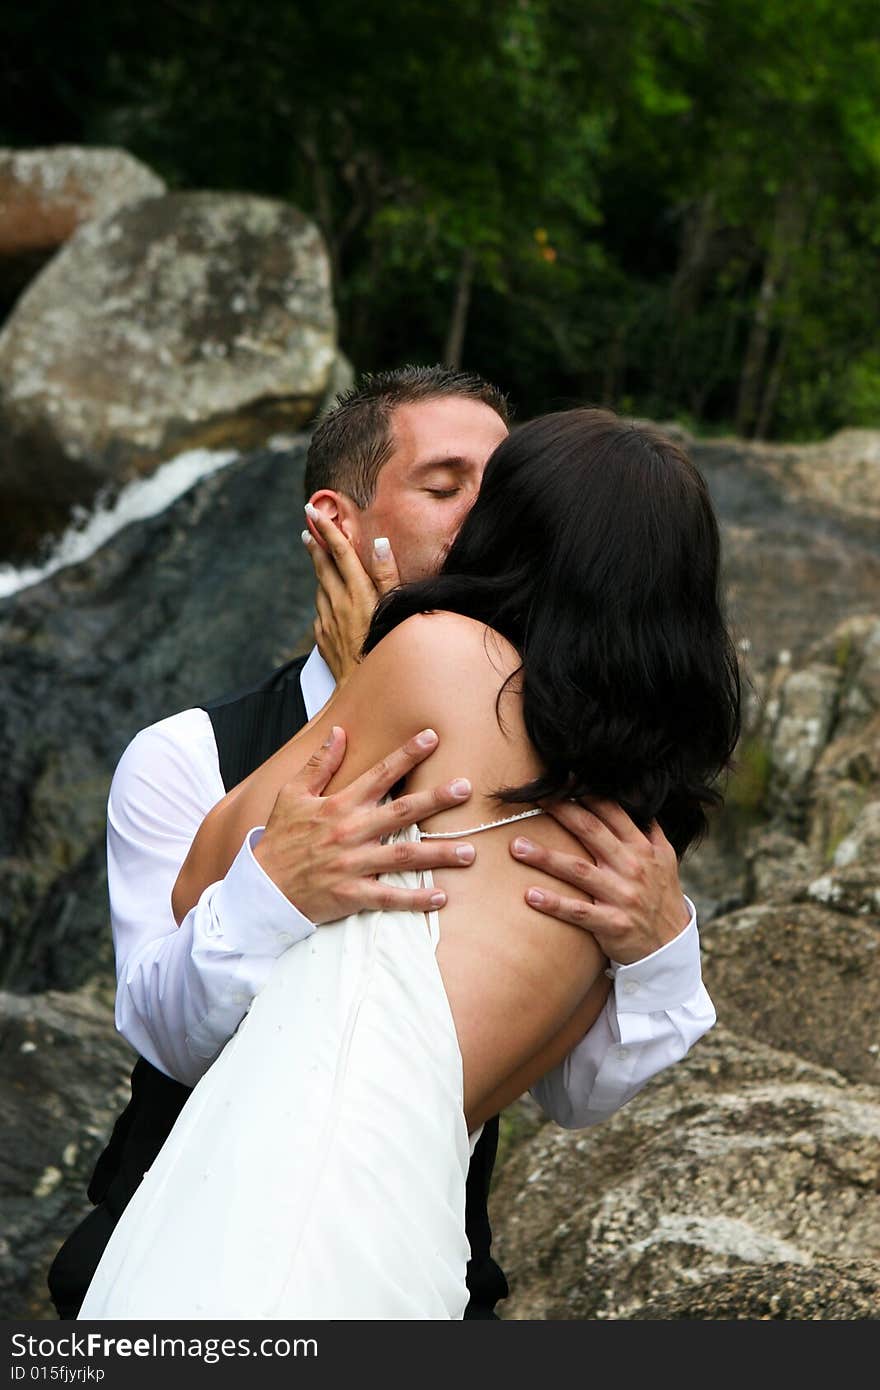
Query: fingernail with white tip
[312, 512]
[381, 547]
[438, 899]
[465, 853]
[306, 537]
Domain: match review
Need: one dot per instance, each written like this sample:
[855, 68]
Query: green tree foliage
[667, 205]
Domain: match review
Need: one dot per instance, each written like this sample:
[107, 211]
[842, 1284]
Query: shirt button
[285, 938]
[622, 1053]
[630, 986]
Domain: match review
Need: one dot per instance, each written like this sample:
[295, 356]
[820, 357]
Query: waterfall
[89, 529]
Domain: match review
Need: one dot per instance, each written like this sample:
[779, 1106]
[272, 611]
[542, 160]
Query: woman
[572, 645]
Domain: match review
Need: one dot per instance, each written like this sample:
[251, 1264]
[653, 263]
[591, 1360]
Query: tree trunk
[452, 352]
[771, 391]
[360, 338]
[788, 230]
[720, 367]
[615, 367]
[690, 273]
[686, 291]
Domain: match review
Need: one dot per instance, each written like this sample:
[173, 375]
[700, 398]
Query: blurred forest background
[670, 206]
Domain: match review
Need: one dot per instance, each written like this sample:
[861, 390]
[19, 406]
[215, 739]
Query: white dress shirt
[182, 991]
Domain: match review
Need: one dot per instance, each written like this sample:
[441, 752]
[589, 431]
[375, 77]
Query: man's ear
[339, 508]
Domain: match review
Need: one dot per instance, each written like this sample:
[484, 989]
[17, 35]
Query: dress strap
[489, 825]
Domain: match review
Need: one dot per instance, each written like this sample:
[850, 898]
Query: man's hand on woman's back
[632, 878]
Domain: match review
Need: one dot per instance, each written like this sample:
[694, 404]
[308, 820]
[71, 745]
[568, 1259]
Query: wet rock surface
[200, 601]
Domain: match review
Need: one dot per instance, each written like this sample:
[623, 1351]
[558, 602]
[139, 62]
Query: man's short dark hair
[353, 441]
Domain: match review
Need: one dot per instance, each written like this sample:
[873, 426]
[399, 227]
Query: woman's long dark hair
[594, 549]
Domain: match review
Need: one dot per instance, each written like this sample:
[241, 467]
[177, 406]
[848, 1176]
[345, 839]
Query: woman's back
[522, 988]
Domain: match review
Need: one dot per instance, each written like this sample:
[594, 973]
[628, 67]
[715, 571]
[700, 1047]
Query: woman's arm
[248, 804]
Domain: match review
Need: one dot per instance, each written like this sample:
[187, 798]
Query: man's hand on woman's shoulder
[325, 852]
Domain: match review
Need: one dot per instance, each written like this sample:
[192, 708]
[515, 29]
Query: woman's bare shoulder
[441, 671]
[447, 645]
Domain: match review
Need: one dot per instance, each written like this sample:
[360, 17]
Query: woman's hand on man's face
[346, 594]
[632, 878]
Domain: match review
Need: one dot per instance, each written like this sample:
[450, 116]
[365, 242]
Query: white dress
[318, 1169]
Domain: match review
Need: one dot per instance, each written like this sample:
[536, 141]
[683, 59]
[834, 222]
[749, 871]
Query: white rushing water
[136, 501]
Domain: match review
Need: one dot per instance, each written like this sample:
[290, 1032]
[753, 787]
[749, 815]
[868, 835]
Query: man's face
[434, 472]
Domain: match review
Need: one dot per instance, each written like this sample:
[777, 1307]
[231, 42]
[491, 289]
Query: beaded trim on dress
[489, 825]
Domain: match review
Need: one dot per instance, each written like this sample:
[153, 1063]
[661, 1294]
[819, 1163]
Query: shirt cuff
[249, 906]
[664, 980]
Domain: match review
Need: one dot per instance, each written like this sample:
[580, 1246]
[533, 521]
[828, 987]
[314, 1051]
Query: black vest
[248, 728]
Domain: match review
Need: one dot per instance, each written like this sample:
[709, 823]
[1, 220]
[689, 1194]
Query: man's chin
[423, 571]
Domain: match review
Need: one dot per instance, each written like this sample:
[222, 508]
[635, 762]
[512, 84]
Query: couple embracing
[360, 909]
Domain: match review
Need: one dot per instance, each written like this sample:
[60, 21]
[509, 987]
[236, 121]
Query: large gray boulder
[842, 472]
[46, 194]
[803, 977]
[737, 1165]
[180, 321]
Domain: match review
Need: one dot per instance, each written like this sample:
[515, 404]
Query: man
[390, 475]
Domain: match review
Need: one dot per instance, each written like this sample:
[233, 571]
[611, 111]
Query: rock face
[809, 767]
[842, 472]
[744, 1182]
[740, 1160]
[192, 319]
[801, 546]
[202, 600]
[63, 1079]
[46, 194]
[819, 973]
[798, 569]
